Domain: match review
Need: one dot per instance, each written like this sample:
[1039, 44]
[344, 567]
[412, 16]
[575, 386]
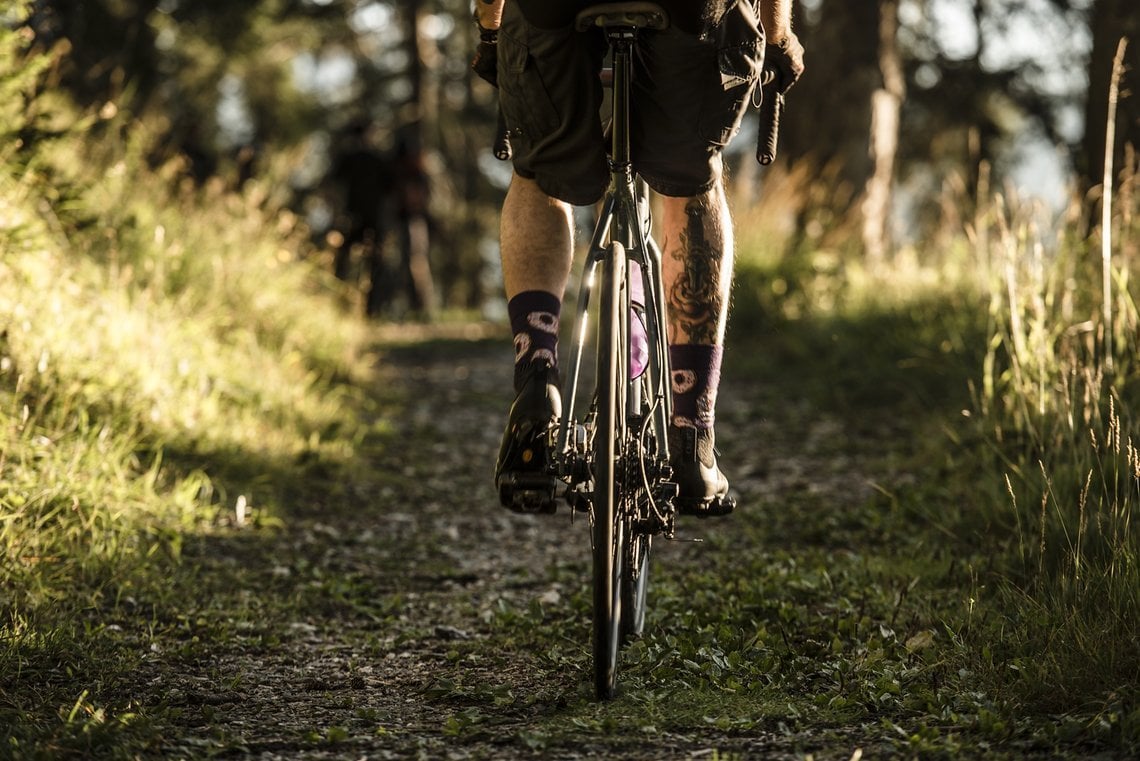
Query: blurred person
[365, 176]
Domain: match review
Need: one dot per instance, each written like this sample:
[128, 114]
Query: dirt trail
[354, 617]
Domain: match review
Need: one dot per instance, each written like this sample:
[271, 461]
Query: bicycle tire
[609, 440]
[634, 585]
[635, 557]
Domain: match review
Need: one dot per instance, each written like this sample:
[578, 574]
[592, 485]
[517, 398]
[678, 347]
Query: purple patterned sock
[696, 377]
[534, 323]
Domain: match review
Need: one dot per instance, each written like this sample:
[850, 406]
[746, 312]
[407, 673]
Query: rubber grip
[771, 109]
[502, 145]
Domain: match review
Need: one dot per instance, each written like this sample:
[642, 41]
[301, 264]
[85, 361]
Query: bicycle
[614, 463]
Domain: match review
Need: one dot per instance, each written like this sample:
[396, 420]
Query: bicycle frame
[624, 218]
[615, 464]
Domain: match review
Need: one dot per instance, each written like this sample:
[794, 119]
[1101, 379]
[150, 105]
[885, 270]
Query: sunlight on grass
[231, 357]
[1057, 418]
[1060, 410]
[172, 365]
[167, 356]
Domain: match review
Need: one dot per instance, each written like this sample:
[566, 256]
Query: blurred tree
[986, 77]
[268, 86]
[844, 118]
[829, 116]
[895, 90]
[886, 106]
[917, 91]
[1111, 20]
[111, 45]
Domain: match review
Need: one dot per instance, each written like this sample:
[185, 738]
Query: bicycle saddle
[641, 15]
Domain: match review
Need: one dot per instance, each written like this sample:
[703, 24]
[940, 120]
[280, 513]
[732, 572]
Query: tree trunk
[886, 105]
[829, 117]
[414, 111]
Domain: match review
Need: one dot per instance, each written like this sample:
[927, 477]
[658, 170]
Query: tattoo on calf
[696, 299]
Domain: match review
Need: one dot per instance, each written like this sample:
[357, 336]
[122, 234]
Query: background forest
[943, 253]
[929, 91]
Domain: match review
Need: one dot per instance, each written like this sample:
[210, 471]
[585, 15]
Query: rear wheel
[609, 439]
[634, 585]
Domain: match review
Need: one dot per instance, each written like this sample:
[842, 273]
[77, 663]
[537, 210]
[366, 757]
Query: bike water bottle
[638, 336]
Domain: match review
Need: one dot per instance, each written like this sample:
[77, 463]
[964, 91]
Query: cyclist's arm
[489, 13]
[776, 16]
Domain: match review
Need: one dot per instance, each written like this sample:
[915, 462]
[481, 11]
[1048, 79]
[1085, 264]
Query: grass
[1056, 404]
[1045, 476]
[170, 365]
[981, 604]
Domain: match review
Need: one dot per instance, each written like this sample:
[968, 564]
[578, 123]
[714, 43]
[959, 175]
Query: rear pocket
[739, 43]
[526, 103]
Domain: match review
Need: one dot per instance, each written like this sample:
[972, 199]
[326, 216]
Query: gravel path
[349, 627]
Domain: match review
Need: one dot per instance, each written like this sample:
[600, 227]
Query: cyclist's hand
[488, 17]
[785, 59]
[485, 62]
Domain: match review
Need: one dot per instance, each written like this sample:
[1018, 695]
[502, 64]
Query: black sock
[696, 378]
[534, 323]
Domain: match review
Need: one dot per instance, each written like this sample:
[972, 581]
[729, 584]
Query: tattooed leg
[698, 254]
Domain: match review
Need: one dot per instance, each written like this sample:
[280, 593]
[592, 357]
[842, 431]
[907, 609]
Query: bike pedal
[715, 507]
[534, 502]
[528, 493]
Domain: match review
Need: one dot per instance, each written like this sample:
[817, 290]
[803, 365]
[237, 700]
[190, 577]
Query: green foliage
[1057, 396]
[20, 71]
[169, 363]
[1042, 472]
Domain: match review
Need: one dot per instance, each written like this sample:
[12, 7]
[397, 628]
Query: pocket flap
[739, 65]
[513, 55]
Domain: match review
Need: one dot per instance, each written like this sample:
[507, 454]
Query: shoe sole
[715, 507]
[528, 493]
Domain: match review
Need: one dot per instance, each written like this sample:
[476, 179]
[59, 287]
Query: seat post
[621, 42]
[621, 22]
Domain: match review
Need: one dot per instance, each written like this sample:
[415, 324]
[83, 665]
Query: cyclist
[692, 83]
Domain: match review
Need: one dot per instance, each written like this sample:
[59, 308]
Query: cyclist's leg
[687, 107]
[549, 94]
[536, 240]
[697, 247]
[697, 250]
[705, 83]
[536, 248]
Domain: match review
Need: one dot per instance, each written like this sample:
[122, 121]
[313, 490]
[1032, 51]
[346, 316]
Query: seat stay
[595, 255]
[622, 219]
[647, 254]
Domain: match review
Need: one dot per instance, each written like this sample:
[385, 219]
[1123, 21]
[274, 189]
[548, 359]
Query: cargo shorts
[688, 96]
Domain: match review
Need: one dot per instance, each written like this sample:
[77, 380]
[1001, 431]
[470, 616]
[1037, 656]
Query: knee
[704, 203]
